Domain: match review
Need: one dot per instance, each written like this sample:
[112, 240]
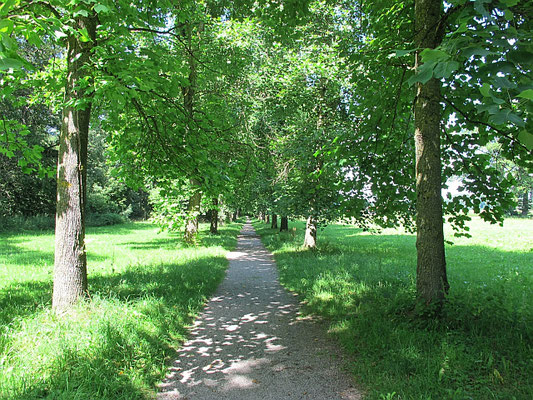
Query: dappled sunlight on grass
[145, 287]
[365, 285]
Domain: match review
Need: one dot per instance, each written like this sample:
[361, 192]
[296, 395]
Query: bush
[105, 219]
[20, 223]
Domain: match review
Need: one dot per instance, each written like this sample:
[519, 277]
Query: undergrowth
[145, 290]
[481, 347]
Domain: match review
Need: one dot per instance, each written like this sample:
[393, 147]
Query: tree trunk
[267, 219]
[213, 214]
[525, 203]
[274, 224]
[431, 280]
[70, 265]
[310, 233]
[193, 210]
[284, 224]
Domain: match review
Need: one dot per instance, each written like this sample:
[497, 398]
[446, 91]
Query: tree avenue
[319, 110]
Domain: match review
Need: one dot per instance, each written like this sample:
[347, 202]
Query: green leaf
[485, 90]
[520, 57]
[504, 83]
[6, 26]
[445, 69]
[510, 3]
[400, 53]
[500, 66]
[84, 35]
[462, 28]
[7, 63]
[501, 117]
[83, 13]
[100, 8]
[515, 119]
[423, 75]
[526, 94]
[476, 51]
[4, 8]
[434, 55]
[526, 138]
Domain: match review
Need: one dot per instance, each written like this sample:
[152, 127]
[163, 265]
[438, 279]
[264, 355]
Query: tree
[432, 283]
[78, 26]
[471, 46]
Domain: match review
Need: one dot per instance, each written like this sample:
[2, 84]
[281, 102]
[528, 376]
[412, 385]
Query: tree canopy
[323, 110]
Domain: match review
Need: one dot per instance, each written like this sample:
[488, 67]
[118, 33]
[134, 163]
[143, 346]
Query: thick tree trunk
[193, 210]
[525, 203]
[431, 280]
[310, 233]
[274, 224]
[70, 265]
[213, 214]
[284, 226]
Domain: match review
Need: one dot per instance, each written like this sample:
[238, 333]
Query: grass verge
[364, 284]
[146, 287]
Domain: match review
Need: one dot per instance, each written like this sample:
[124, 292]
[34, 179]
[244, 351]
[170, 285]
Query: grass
[145, 290]
[364, 285]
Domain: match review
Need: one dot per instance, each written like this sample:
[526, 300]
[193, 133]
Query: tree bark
[432, 283]
[70, 264]
[525, 203]
[193, 210]
[267, 218]
[284, 226]
[213, 214]
[274, 224]
[310, 233]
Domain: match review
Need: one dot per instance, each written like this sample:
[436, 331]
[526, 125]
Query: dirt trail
[251, 343]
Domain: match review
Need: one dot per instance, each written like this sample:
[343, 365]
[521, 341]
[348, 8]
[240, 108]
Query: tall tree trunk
[267, 218]
[193, 210]
[70, 265]
[525, 203]
[284, 226]
[213, 214]
[274, 224]
[431, 280]
[310, 233]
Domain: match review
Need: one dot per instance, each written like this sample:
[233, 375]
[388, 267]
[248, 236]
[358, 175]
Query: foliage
[483, 64]
[21, 223]
[364, 285]
[147, 288]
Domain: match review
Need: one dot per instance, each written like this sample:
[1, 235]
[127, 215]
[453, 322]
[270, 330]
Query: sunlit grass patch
[364, 284]
[145, 290]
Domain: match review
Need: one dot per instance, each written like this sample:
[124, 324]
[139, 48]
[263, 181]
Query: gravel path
[251, 343]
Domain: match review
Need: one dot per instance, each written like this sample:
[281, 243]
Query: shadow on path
[250, 341]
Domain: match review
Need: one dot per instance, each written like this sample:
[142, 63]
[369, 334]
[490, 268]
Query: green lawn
[145, 289]
[364, 284]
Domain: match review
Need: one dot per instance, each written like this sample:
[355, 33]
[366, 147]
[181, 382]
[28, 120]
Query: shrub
[19, 223]
[105, 219]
